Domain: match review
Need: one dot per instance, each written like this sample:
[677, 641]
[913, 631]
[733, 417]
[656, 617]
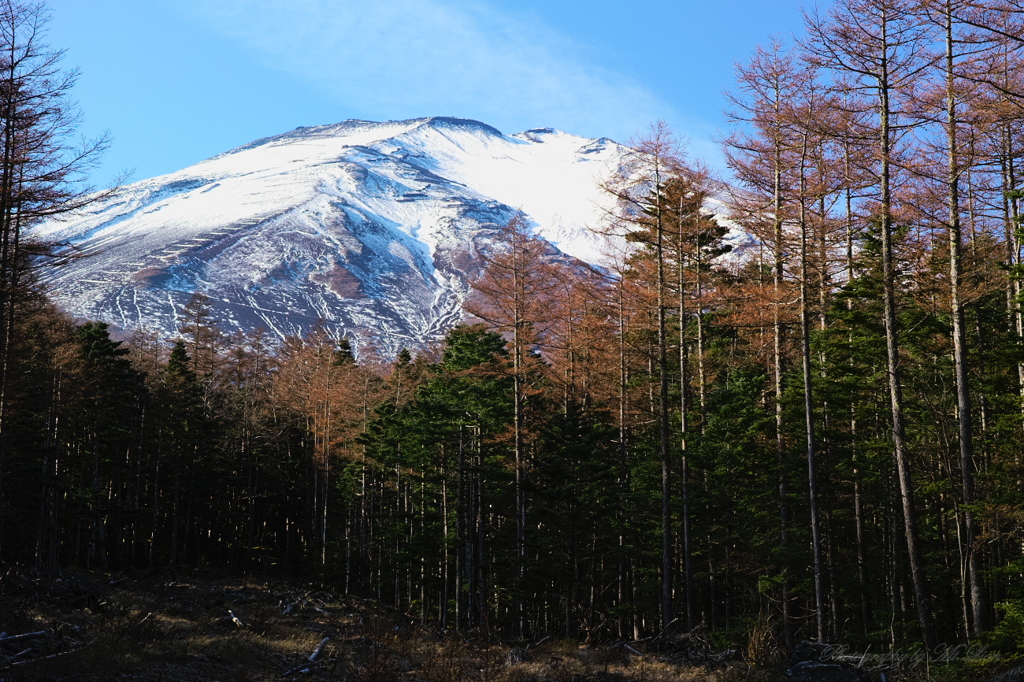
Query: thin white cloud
[404, 58]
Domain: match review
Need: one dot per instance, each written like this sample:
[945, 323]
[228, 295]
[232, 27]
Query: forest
[816, 434]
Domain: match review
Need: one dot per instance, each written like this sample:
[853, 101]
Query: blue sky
[177, 81]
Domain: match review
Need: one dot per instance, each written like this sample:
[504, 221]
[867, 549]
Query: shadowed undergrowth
[92, 627]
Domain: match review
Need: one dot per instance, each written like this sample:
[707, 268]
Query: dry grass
[182, 630]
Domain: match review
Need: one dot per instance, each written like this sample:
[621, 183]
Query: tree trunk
[805, 354]
[921, 594]
[963, 398]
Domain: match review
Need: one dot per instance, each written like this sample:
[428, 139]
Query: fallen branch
[317, 608]
[18, 638]
[665, 629]
[46, 658]
[319, 649]
[24, 652]
[306, 665]
[627, 647]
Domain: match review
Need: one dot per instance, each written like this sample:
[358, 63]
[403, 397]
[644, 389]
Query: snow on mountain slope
[371, 229]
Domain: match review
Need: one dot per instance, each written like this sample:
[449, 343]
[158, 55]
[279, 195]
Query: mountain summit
[373, 230]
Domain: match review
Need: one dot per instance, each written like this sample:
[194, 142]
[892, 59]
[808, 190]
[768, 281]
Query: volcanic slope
[372, 230]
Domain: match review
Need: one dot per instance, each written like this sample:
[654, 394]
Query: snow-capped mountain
[373, 230]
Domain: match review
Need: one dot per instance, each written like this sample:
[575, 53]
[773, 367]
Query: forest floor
[194, 627]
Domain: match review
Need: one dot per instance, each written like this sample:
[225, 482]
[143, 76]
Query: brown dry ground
[178, 629]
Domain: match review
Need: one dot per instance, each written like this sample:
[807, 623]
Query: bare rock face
[373, 231]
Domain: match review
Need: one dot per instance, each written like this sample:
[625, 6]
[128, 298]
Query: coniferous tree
[879, 45]
[513, 296]
[41, 173]
[766, 160]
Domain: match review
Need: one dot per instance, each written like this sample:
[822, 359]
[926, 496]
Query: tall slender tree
[641, 214]
[41, 169]
[765, 159]
[514, 296]
[880, 45]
